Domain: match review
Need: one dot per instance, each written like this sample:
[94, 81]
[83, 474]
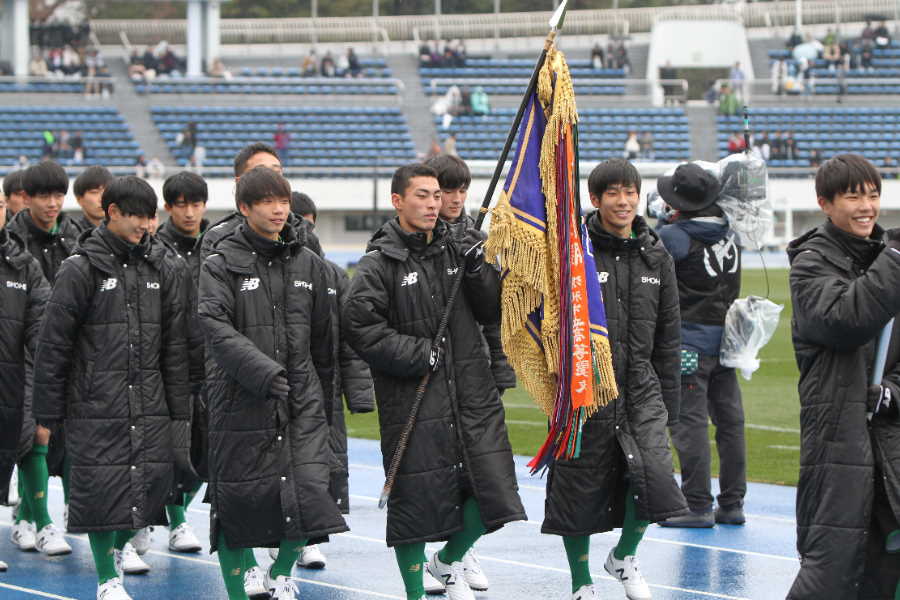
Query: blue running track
[757, 561]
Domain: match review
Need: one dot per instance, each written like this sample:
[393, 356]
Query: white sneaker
[3, 566]
[112, 590]
[255, 583]
[128, 562]
[475, 576]
[23, 536]
[432, 586]
[282, 587]
[627, 573]
[51, 542]
[273, 553]
[453, 577]
[182, 539]
[311, 558]
[585, 592]
[142, 539]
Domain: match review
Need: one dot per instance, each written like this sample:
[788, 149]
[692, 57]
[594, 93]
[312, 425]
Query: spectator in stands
[434, 149]
[169, 63]
[151, 64]
[832, 55]
[729, 104]
[597, 58]
[882, 36]
[38, 66]
[424, 55]
[815, 158]
[777, 150]
[136, 66]
[736, 143]
[890, 166]
[76, 142]
[63, 149]
[218, 69]
[794, 40]
[791, 151]
[711, 95]
[868, 32]
[327, 68]
[48, 148]
[198, 158]
[668, 72]
[865, 59]
[623, 61]
[310, 66]
[610, 54]
[778, 75]
[448, 105]
[761, 146]
[632, 146]
[155, 168]
[140, 166]
[355, 69]
[830, 37]
[282, 142]
[71, 61]
[481, 104]
[450, 145]
[646, 141]
[55, 62]
[737, 78]
[95, 67]
[22, 163]
[465, 105]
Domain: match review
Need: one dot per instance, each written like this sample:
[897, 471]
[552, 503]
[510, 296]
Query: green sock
[231, 563]
[409, 559]
[248, 559]
[123, 537]
[897, 592]
[23, 513]
[189, 495]
[578, 549]
[460, 542]
[33, 471]
[102, 549]
[288, 552]
[632, 529]
[176, 515]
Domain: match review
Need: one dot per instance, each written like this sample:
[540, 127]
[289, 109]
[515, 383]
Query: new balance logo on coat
[410, 279]
[250, 284]
[108, 284]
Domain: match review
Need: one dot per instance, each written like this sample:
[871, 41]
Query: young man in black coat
[15, 193]
[50, 236]
[623, 477]
[845, 287]
[265, 306]
[457, 479]
[352, 382]
[112, 351]
[23, 295]
[88, 189]
[708, 269]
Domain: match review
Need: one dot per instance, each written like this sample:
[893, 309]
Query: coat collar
[850, 249]
[13, 251]
[106, 251]
[398, 244]
[645, 243]
[180, 242]
[240, 249]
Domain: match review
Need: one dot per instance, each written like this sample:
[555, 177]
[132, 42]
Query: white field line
[17, 588]
[779, 447]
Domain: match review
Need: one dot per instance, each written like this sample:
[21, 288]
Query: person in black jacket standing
[457, 479]
[352, 381]
[50, 236]
[23, 295]
[708, 269]
[265, 306]
[15, 193]
[845, 287]
[88, 189]
[623, 477]
[112, 351]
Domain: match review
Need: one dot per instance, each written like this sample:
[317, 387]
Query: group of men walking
[139, 363]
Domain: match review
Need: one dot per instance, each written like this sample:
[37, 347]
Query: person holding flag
[595, 338]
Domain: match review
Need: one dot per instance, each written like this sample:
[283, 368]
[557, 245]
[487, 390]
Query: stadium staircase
[702, 120]
[416, 105]
[135, 109]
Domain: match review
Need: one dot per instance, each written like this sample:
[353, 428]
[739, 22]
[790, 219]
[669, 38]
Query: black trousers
[711, 393]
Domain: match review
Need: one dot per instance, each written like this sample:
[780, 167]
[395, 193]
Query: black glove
[437, 355]
[880, 402]
[473, 242]
[892, 238]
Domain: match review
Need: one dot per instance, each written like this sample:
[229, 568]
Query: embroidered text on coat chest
[17, 285]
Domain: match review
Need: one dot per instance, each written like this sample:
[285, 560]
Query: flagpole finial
[559, 16]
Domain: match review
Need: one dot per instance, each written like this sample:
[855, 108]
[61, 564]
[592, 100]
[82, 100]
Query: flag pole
[556, 22]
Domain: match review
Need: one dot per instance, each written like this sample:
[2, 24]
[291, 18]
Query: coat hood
[12, 248]
[104, 249]
[707, 230]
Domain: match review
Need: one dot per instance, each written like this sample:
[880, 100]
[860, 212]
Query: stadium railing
[627, 89]
[274, 85]
[50, 84]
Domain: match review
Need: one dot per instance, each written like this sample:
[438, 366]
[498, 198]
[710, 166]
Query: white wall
[698, 44]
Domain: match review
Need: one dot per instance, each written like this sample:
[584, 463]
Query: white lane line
[18, 588]
[215, 564]
[523, 486]
[770, 518]
[771, 428]
[780, 447]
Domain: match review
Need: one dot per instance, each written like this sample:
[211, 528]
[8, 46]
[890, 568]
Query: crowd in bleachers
[345, 65]
[64, 51]
[615, 56]
[452, 55]
[156, 61]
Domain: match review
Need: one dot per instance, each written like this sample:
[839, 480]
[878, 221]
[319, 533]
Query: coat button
[287, 519]
[133, 467]
[279, 438]
[133, 427]
[631, 457]
[617, 427]
[284, 478]
[134, 509]
[635, 497]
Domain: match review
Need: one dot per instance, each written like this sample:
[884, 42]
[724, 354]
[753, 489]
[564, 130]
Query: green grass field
[770, 401]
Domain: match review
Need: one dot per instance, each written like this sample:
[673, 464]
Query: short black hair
[260, 183]
[92, 178]
[187, 186]
[615, 171]
[12, 183]
[243, 157]
[401, 178]
[452, 171]
[301, 204]
[846, 173]
[46, 177]
[132, 195]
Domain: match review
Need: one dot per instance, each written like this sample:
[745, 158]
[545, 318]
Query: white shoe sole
[186, 549]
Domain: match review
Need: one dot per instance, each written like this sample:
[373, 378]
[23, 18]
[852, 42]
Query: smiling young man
[623, 477]
[266, 306]
[112, 351]
[845, 286]
[88, 189]
[457, 479]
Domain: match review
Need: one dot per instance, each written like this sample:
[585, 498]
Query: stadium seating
[49, 86]
[107, 138]
[885, 63]
[601, 132]
[869, 131]
[510, 76]
[320, 137]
